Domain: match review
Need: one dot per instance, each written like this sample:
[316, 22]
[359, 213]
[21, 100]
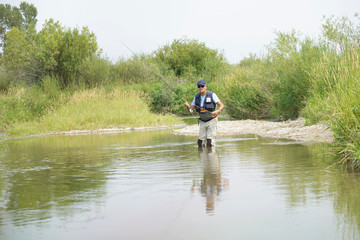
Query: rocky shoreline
[295, 130]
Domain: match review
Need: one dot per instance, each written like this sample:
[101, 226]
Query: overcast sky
[235, 27]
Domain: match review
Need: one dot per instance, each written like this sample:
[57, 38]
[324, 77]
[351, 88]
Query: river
[156, 185]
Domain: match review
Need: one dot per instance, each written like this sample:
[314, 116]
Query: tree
[76, 47]
[15, 59]
[53, 51]
[22, 18]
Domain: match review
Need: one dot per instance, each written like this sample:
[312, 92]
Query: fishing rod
[159, 76]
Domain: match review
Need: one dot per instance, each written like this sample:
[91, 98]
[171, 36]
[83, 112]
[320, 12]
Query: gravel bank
[295, 130]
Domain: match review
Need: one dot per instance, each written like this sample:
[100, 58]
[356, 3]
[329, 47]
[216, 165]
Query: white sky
[236, 27]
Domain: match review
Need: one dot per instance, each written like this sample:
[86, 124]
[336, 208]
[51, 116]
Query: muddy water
[156, 185]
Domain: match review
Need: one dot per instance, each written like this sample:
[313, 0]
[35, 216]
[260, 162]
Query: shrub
[292, 61]
[23, 103]
[94, 71]
[335, 99]
[53, 51]
[244, 95]
[138, 69]
[189, 57]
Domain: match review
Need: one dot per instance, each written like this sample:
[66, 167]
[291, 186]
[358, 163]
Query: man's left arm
[218, 111]
[219, 103]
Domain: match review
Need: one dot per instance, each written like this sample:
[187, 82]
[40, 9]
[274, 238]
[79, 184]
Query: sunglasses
[201, 86]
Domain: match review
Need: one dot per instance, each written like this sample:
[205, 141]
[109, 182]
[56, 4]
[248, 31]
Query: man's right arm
[192, 106]
[189, 106]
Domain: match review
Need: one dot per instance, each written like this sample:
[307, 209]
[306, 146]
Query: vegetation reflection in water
[164, 185]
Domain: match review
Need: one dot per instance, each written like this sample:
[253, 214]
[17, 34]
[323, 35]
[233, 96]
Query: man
[205, 104]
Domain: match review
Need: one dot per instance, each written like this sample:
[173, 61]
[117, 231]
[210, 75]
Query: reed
[335, 99]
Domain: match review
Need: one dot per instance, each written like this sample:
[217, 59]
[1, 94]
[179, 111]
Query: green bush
[187, 57]
[245, 95]
[163, 100]
[22, 103]
[53, 51]
[4, 80]
[95, 71]
[292, 61]
[138, 69]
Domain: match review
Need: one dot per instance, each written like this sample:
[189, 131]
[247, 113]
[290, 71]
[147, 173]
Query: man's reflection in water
[212, 183]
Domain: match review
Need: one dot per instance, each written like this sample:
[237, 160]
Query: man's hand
[215, 113]
[189, 108]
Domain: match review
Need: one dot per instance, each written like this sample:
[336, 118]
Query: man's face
[202, 88]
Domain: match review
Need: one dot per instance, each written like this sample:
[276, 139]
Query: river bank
[292, 129]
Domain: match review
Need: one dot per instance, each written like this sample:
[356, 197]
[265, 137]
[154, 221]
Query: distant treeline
[298, 76]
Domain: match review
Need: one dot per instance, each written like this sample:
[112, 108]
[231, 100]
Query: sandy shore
[295, 130]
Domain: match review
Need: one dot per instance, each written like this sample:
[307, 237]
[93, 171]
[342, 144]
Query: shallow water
[156, 185]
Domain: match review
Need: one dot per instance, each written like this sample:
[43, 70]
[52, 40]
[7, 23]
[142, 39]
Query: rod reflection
[212, 183]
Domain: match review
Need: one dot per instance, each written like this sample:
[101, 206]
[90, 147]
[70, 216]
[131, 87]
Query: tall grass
[275, 85]
[335, 99]
[245, 92]
[95, 108]
[21, 103]
[292, 60]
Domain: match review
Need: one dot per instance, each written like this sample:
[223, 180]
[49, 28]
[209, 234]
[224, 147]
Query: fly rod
[158, 75]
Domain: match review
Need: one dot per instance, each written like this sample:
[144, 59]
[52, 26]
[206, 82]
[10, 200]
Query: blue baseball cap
[201, 82]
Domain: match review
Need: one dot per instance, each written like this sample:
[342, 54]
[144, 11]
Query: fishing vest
[209, 103]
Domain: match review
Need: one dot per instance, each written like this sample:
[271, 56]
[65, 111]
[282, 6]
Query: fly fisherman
[205, 104]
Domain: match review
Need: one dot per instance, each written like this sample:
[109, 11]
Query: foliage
[22, 103]
[21, 18]
[334, 94]
[94, 72]
[162, 99]
[49, 41]
[292, 61]
[245, 90]
[76, 47]
[335, 99]
[18, 59]
[187, 57]
[54, 51]
[4, 80]
[340, 32]
[138, 69]
[114, 109]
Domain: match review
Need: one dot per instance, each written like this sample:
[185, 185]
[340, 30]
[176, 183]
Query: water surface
[156, 185]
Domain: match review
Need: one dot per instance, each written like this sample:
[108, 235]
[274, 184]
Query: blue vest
[209, 106]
